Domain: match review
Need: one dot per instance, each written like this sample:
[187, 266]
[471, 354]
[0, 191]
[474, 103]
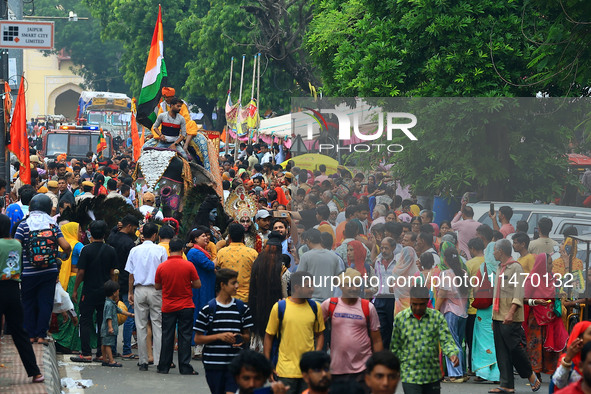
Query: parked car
[562, 216]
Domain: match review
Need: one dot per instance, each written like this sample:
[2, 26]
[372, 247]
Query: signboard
[26, 35]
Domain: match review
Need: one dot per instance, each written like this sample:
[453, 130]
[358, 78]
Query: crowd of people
[320, 282]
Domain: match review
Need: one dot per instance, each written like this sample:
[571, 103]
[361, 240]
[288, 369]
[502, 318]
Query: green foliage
[200, 38]
[560, 32]
[97, 61]
[445, 48]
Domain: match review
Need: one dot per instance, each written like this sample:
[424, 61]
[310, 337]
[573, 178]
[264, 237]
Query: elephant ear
[199, 201]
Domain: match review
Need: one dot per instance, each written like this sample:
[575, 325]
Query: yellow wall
[47, 78]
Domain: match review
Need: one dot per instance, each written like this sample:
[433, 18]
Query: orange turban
[168, 92]
[61, 157]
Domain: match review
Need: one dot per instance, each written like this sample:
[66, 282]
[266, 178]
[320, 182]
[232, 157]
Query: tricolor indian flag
[154, 78]
[101, 144]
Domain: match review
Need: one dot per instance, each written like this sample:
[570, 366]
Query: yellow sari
[70, 231]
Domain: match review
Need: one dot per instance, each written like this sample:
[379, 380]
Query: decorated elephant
[164, 173]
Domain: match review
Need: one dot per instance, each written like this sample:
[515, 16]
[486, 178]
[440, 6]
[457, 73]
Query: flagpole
[229, 91]
[238, 118]
[256, 140]
[254, 73]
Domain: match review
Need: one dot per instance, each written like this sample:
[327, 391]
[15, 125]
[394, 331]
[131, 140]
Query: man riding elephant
[195, 140]
[173, 129]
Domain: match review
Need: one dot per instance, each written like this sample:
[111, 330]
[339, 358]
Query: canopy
[279, 126]
[311, 161]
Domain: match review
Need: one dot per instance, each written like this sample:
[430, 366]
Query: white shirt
[267, 157]
[145, 209]
[143, 261]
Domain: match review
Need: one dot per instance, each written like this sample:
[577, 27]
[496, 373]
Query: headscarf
[444, 245]
[415, 210]
[535, 284]
[559, 266]
[70, 231]
[577, 331]
[281, 199]
[407, 263]
[359, 256]
[406, 266]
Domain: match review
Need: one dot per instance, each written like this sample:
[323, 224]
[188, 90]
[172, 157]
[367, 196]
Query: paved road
[129, 379]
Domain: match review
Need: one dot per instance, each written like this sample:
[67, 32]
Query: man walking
[95, 266]
[238, 257]
[507, 321]
[384, 299]
[416, 337]
[298, 322]
[176, 277]
[355, 330]
[123, 242]
[320, 263]
[142, 263]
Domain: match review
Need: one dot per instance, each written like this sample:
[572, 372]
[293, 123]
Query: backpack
[331, 308]
[43, 247]
[281, 305]
[213, 307]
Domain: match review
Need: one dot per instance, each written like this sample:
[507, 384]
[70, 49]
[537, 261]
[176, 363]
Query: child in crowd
[110, 326]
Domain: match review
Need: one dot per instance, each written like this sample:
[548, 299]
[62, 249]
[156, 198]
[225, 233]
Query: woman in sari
[67, 338]
[405, 272]
[484, 357]
[356, 259]
[568, 370]
[202, 260]
[546, 335]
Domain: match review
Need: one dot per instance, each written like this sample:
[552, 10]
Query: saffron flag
[19, 143]
[101, 144]
[135, 135]
[154, 78]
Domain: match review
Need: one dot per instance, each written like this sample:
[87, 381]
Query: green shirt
[10, 259]
[416, 343]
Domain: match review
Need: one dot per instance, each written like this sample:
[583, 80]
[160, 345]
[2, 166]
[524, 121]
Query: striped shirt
[22, 235]
[218, 354]
[172, 128]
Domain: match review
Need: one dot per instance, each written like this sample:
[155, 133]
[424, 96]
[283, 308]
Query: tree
[95, 60]
[560, 32]
[443, 48]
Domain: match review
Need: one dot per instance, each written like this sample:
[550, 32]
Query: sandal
[190, 373]
[39, 379]
[81, 359]
[116, 365]
[130, 356]
[501, 390]
[536, 386]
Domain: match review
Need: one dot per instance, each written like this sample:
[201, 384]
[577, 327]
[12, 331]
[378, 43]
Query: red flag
[19, 143]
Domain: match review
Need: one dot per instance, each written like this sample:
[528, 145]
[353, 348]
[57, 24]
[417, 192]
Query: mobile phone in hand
[492, 208]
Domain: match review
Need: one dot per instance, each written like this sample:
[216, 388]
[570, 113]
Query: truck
[107, 110]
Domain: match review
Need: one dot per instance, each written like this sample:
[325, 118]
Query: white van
[561, 216]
